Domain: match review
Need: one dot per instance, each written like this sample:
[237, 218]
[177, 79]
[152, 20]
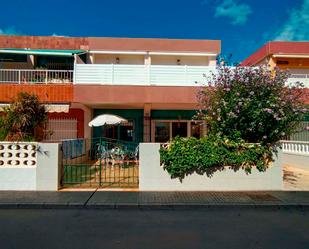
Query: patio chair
[132, 154]
[102, 152]
[117, 155]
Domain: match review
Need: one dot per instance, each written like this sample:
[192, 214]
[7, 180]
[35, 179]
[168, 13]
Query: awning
[54, 52]
[57, 108]
[48, 107]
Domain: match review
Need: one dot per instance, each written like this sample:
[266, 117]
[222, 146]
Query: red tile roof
[276, 47]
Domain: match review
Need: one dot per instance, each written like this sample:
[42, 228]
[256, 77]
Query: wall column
[87, 118]
[147, 122]
[147, 59]
[30, 59]
[90, 59]
[271, 63]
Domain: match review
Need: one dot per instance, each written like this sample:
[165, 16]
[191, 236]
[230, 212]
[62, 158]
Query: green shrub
[184, 156]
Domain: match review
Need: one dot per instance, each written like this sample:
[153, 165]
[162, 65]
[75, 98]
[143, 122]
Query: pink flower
[268, 110]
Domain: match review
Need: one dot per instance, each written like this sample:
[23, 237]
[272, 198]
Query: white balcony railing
[301, 77]
[35, 76]
[295, 147]
[141, 74]
[165, 75]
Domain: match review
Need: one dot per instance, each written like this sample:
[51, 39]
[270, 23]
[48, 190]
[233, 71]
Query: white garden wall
[152, 176]
[29, 166]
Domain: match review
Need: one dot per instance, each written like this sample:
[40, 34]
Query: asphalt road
[228, 227]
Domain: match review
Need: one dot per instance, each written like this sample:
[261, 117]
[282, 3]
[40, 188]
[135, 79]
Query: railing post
[186, 74]
[46, 75]
[74, 68]
[148, 74]
[100, 165]
[113, 73]
[74, 74]
[19, 77]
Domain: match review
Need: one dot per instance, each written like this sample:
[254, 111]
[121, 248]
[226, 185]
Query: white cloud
[237, 12]
[296, 28]
[8, 31]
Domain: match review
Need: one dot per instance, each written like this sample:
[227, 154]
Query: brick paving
[118, 199]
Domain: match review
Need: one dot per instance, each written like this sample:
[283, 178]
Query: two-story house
[150, 82]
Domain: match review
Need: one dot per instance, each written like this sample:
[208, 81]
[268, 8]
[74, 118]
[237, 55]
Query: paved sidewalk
[105, 199]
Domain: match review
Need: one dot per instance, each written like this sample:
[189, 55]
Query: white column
[30, 60]
[48, 171]
[147, 62]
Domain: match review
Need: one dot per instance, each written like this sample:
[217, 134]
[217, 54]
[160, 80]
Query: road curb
[152, 206]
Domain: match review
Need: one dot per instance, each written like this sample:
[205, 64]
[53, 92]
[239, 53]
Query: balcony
[157, 75]
[301, 77]
[25, 76]
[51, 86]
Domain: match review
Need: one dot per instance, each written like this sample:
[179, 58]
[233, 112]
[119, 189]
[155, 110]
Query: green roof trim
[55, 52]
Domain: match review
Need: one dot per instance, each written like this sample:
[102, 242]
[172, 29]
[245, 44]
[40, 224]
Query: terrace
[31, 66]
[81, 67]
[34, 76]
[121, 75]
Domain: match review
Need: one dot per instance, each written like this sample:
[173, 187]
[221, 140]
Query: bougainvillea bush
[253, 103]
[247, 111]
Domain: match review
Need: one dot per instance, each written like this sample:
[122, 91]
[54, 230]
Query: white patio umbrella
[106, 119]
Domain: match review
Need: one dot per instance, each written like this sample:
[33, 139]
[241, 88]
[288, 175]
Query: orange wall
[55, 93]
[106, 43]
[104, 94]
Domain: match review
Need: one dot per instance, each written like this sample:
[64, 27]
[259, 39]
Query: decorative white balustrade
[35, 76]
[18, 154]
[301, 75]
[295, 147]
[120, 74]
[141, 74]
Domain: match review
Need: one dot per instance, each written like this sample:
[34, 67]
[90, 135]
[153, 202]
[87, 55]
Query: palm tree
[23, 118]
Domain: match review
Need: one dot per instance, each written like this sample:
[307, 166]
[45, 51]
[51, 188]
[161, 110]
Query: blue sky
[242, 25]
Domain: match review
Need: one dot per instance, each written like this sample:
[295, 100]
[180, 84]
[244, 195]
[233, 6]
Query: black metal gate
[99, 163]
